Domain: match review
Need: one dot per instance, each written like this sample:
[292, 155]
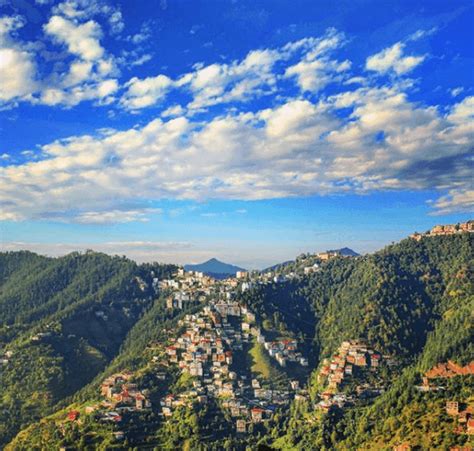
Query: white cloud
[115, 216]
[17, 66]
[316, 69]
[82, 40]
[173, 111]
[143, 93]
[86, 9]
[91, 74]
[456, 201]
[393, 59]
[456, 91]
[142, 60]
[254, 76]
[463, 112]
[294, 149]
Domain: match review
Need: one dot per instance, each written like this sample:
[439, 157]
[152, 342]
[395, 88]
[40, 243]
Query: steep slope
[413, 302]
[62, 324]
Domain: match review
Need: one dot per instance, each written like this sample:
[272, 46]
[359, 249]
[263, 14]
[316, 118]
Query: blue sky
[250, 131]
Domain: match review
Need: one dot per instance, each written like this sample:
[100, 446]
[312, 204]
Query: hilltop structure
[448, 229]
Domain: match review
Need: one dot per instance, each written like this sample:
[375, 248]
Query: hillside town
[206, 350]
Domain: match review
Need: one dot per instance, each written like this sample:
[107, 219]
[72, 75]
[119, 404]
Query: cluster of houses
[464, 417]
[448, 229]
[192, 287]
[283, 351]
[122, 395]
[206, 350]
[351, 356]
[187, 288]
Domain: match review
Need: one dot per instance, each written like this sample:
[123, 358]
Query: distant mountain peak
[214, 267]
[345, 252]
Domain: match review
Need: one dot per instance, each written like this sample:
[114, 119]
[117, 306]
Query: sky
[250, 131]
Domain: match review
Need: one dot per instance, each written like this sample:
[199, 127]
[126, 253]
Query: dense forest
[411, 301]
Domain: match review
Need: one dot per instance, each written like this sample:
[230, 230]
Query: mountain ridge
[213, 266]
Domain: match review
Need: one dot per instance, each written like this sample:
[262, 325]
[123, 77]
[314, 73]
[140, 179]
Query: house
[280, 359]
[294, 384]
[452, 407]
[73, 415]
[360, 360]
[241, 426]
[257, 414]
[375, 360]
[141, 402]
[402, 447]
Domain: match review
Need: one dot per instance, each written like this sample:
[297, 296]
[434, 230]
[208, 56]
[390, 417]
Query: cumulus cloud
[393, 59]
[366, 136]
[91, 72]
[87, 9]
[299, 147]
[17, 66]
[456, 201]
[308, 61]
[173, 111]
[143, 93]
[82, 40]
[316, 69]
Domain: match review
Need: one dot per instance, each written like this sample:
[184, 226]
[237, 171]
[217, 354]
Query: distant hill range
[345, 252]
[215, 268]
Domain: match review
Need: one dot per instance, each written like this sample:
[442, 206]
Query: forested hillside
[410, 304]
[62, 321]
[414, 302]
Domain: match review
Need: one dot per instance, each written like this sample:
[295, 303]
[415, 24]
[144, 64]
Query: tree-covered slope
[63, 320]
[413, 301]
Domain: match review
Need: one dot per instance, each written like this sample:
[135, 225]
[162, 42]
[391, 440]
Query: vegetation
[412, 302]
[63, 321]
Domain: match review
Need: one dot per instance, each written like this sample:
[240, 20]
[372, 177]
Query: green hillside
[411, 303]
[63, 321]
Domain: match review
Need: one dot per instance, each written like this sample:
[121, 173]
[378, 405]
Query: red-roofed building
[73, 415]
[257, 414]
